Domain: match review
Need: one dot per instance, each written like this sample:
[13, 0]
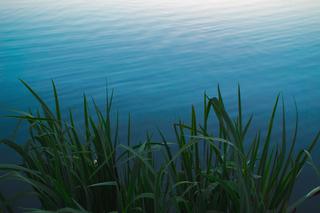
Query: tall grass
[208, 168]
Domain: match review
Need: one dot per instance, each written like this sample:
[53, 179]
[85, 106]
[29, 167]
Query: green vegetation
[208, 168]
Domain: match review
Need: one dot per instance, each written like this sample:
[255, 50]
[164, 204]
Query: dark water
[161, 55]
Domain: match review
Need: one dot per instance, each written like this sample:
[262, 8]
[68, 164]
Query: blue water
[161, 55]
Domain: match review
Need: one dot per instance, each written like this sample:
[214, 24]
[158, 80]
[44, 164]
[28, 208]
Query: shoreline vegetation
[204, 169]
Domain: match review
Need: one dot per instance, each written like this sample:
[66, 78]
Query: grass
[206, 169]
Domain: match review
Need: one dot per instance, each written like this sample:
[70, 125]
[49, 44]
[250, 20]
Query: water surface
[161, 55]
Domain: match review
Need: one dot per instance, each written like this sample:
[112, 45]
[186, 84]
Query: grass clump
[91, 170]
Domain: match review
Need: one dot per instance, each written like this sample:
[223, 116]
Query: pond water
[161, 55]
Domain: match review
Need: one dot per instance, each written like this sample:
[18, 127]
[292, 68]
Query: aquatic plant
[209, 167]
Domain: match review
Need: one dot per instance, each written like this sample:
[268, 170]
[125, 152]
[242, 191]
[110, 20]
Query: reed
[208, 168]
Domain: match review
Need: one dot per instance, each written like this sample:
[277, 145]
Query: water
[160, 56]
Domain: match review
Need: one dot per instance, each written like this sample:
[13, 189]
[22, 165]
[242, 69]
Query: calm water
[161, 55]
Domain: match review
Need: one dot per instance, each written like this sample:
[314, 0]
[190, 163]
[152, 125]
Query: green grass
[206, 168]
